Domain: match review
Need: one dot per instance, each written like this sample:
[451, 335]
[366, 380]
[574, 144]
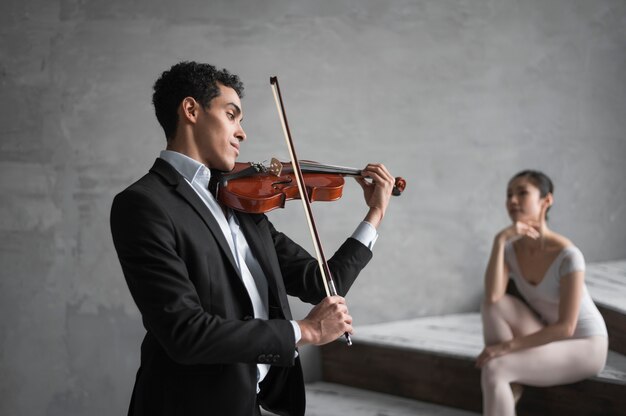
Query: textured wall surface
[453, 95]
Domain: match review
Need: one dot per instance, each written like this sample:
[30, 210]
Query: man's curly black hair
[188, 79]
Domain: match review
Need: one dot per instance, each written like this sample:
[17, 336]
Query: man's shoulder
[147, 183]
[160, 174]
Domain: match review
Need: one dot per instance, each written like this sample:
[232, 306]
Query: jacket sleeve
[301, 271]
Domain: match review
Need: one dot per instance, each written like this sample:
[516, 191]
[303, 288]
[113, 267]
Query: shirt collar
[191, 169]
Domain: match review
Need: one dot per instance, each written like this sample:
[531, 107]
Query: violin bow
[329, 284]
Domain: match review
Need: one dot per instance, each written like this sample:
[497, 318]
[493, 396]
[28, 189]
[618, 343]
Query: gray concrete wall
[455, 96]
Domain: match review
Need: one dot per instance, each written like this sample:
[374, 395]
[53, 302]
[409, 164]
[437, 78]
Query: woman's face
[524, 202]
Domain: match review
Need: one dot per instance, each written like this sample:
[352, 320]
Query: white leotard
[544, 297]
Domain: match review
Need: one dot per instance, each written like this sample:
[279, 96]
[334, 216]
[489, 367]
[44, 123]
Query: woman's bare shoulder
[558, 242]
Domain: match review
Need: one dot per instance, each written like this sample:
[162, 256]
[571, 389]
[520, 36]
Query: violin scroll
[398, 187]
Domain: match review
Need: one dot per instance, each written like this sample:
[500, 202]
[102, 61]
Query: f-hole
[285, 182]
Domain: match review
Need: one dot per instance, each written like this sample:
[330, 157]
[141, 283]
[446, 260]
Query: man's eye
[231, 116]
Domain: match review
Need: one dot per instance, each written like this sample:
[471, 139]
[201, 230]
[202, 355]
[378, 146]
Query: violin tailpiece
[275, 167]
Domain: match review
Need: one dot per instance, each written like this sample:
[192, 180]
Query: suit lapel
[185, 190]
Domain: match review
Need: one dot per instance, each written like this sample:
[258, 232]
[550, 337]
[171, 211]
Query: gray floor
[327, 399]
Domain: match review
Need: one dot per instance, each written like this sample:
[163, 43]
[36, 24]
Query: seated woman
[558, 335]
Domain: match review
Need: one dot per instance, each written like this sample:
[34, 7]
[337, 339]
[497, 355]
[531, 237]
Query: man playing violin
[212, 283]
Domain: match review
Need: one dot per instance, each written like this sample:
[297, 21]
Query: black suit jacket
[202, 344]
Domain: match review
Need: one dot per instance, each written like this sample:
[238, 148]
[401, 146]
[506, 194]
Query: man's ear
[189, 108]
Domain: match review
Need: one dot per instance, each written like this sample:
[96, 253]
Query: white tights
[559, 362]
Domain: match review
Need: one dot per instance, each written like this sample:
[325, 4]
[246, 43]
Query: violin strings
[313, 167]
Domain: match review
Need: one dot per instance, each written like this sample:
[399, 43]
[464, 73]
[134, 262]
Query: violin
[257, 188]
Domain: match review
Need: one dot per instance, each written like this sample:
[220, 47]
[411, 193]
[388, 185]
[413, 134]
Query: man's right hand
[326, 322]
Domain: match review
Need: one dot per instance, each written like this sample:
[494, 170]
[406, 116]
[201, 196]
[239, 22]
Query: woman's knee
[599, 346]
[498, 307]
[487, 307]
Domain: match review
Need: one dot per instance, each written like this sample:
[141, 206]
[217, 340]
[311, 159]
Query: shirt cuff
[296, 331]
[366, 233]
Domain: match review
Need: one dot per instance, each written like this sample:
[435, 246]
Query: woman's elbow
[567, 329]
[492, 298]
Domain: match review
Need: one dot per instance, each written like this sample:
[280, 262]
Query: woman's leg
[555, 363]
[502, 321]
[506, 319]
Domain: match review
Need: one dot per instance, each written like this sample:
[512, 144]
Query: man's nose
[240, 134]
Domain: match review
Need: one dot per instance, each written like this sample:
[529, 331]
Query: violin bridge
[275, 167]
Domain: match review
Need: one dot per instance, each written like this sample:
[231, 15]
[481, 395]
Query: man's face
[218, 131]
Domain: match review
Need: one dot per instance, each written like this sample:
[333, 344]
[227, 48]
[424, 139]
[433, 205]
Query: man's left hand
[376, 191]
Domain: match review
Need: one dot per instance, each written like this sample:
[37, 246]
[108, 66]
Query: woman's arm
[497, 273]
[570, 295]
